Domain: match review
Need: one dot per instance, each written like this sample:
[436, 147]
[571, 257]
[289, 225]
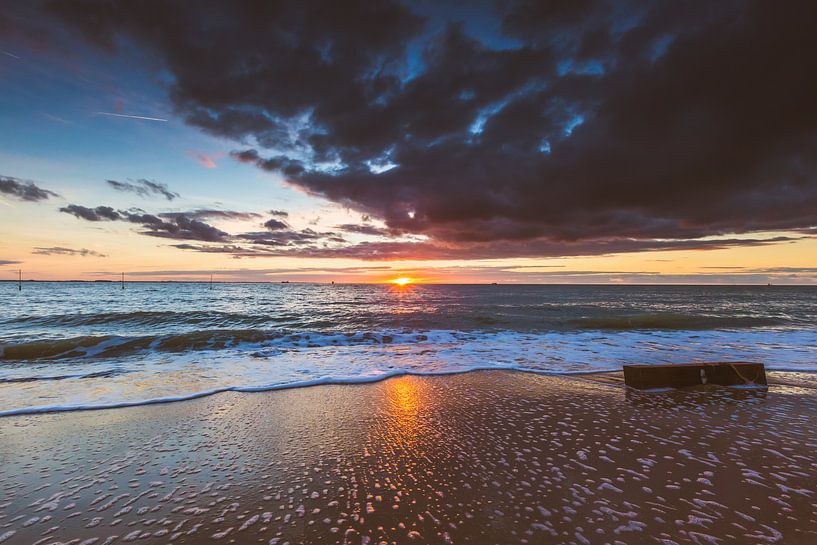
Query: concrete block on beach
[682, 375]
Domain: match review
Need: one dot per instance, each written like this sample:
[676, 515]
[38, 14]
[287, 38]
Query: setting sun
[402, 281]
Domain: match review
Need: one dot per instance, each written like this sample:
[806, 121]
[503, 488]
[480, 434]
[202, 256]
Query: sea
[86, 345]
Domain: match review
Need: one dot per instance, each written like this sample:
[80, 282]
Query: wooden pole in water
[20, 280]
[211, 281]
[123, 280]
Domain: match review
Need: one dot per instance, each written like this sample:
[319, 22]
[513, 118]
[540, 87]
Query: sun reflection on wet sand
[405, 393]
[405, 396]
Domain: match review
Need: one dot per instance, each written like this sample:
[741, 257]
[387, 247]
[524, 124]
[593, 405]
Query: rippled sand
[484, 457]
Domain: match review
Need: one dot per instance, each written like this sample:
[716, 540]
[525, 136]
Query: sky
[575, 141]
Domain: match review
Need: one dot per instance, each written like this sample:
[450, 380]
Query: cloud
[59, 250]
[648, 121]
[782, 270]
[144, 188]
[281, 240]
[288, 238]
[364, 229]
[100, 213]
[275, 225]
[182, 228]
[310, 244]
[209, 213]
[177, 226]
[5, 262]
[190, 225]
[24, 190]
[210, 249]
[279, 213]
[279, 163]
[203, 159]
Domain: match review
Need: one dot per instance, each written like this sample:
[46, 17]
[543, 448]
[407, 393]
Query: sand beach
[489, 457]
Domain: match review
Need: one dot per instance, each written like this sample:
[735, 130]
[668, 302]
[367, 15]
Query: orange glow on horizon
[402, 281]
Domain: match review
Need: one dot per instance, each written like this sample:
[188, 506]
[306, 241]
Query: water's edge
[29, 411]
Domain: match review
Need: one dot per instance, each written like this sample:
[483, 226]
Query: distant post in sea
[123, 280]
[211, 281]
[20, 280]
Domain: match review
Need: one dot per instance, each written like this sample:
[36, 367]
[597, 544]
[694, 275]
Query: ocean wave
[209, 340]
[111, 346]
[536, 317]
[149, 318]
[669, 322]
[217, 338]
[37, 378]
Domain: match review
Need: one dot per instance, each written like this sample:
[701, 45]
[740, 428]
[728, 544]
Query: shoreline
[492, 457]
[329, 382]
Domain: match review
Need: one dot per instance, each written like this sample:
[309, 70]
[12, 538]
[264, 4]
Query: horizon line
[387, 282]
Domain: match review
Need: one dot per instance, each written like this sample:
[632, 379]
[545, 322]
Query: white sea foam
[151, 375]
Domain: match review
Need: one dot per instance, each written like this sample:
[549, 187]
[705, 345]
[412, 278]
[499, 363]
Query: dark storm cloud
[280, 163]
[602, 127]
[24, 190]
[144, 188]
[60, 250]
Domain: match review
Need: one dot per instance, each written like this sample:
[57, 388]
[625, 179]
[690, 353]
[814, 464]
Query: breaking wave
[109, 346]
[113, 371]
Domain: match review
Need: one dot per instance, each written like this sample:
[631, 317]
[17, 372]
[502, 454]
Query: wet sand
[484, 457]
